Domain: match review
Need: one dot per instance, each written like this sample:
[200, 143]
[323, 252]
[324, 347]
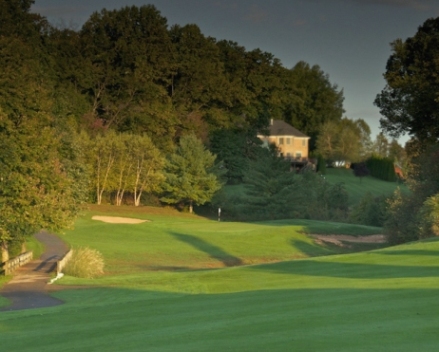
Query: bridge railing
[11, 265]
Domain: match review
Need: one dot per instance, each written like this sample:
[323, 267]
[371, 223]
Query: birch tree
[123, 167]
[147, 170]
[104, 151]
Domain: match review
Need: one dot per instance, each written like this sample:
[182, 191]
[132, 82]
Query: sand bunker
[340, 240]
[118, 220]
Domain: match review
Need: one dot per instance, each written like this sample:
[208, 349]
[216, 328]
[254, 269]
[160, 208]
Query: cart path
[29, 286]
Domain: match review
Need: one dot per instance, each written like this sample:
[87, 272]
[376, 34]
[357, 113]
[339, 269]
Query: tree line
[127, 70]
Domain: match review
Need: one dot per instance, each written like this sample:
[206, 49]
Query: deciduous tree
[409, 102]
[315, 100]
[37, 184]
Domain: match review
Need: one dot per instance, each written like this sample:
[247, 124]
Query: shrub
[370, 211]
[14, 249]
[321, 165]
[85, 263]
[400, 225]
[360, 170]
[429, 217]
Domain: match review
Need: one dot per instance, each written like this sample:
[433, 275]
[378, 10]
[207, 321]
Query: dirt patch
[344, 240]
[118, 220]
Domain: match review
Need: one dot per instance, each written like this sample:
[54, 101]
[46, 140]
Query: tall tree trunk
[137, 199]
[119, 197]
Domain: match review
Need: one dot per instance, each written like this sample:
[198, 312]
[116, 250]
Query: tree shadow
[323, 268]
[309, 249]
[48, 265]
[213, 251]
[410, 252]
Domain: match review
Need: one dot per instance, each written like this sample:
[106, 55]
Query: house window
[281, 141]
[288, 140]
[298, 155]
[304, 143]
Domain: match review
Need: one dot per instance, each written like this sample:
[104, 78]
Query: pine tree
[189, 174]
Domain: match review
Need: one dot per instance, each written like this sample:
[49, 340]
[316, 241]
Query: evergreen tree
[189, 174]
[271, 189]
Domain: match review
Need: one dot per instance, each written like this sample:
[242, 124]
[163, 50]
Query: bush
[414, 216]
[85, 263]
[323, 201]
[429, 217]
[14, 249]
[321, 165]
[370, 211]
[401, 225]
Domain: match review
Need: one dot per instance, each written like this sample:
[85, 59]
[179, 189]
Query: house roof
[281, 128]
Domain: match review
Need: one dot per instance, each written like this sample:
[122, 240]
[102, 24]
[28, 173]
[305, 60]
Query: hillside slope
[357, 187]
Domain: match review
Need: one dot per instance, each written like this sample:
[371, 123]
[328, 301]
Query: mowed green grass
[183, 242]
[357, 188]
[382, 300]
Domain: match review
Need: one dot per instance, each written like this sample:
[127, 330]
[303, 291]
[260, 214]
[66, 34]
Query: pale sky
[348, 39]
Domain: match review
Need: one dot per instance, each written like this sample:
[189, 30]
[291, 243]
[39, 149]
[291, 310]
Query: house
[291, 143]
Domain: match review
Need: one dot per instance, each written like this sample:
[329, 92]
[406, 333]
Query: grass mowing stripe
[275, 320]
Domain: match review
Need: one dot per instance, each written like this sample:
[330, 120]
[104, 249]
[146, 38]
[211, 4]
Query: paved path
[29, 287]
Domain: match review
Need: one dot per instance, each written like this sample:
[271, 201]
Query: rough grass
[85, 263]
[357, 187]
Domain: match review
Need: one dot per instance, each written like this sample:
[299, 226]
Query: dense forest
[128, 71]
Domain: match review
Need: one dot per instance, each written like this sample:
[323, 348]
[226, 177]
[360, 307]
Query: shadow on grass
[320, 248]
[310, 250]
[213, 251]
[350, 270]
[410, 252]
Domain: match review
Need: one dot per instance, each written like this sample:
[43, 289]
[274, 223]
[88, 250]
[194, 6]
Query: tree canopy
[343, 141]
[409, 102]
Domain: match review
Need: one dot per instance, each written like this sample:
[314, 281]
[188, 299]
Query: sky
[348, 39]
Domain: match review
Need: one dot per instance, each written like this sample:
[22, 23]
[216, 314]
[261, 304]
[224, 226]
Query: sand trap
[118, 220]
[340, 240]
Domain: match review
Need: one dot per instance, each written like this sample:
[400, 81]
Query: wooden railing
[10, 266]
